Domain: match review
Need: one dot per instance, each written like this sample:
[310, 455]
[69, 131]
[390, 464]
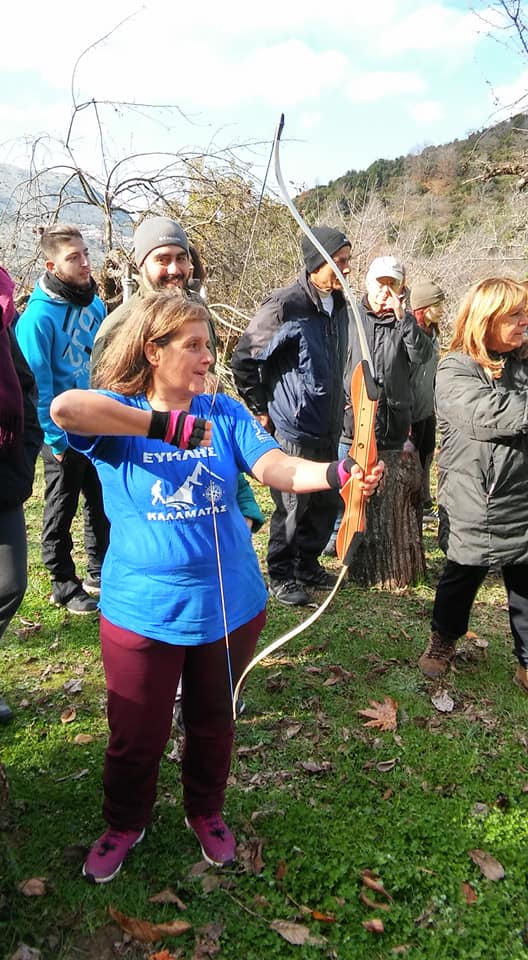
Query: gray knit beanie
[158, 232]
[329, 238]
[425, 293]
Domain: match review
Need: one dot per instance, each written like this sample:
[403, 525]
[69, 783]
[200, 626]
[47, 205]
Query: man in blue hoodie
[56, 334]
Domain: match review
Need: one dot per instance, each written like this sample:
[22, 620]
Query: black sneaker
[289, 592]
[78, 603]
[92, 584]
[317, 577]
[6, 714]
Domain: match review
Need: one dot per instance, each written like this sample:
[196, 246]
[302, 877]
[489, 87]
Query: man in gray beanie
[288, 368]
[161, 252]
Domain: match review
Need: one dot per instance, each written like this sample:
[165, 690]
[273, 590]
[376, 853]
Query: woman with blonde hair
[482, 412]
[181, 591]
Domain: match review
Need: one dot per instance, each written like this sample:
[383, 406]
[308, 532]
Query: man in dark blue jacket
[288, 368]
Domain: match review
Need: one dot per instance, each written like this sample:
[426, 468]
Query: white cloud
[383, 84]
[426, 111]
[433, 27]
[309, 120]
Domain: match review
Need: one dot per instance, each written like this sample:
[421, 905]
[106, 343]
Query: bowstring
[213, 402]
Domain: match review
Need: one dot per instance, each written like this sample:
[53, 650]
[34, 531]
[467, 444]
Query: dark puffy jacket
[289, 363]
[395, 346]
[17, 471]
[483, 461]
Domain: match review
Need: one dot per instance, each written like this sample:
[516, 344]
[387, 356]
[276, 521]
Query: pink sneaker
[106, 857]
[215, 838]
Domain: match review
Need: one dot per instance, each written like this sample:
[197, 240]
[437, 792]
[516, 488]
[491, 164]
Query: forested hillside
[456, 211]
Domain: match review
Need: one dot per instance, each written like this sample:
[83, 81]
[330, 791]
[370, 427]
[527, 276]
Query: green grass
[412, 825]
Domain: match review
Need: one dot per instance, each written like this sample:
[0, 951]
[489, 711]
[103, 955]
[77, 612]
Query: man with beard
[56, 333]
[162, 255]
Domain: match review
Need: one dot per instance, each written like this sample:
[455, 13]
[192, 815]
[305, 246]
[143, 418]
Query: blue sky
[356, 81]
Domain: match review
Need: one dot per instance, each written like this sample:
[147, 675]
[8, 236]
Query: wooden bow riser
[363, 449]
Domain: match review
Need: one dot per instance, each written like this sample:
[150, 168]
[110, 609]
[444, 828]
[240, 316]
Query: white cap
[386, 267]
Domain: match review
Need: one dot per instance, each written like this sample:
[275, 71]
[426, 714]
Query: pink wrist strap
[188, 427]
[342, 473]
[174, 416]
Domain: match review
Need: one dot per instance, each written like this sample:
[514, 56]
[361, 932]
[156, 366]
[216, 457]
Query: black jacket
[483, 461]
[16, 472]
[289, 363]
[395, 346]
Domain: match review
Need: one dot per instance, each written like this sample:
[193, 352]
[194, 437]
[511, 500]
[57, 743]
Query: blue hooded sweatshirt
[56, 338]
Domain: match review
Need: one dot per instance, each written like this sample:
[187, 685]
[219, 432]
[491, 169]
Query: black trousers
[301, 523]
[457, 590]
[13, 563]
[65, 481]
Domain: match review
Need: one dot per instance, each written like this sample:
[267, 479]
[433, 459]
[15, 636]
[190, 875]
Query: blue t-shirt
[161, 574]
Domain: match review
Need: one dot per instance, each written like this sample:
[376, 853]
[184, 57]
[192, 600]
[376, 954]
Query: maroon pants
[142, 678]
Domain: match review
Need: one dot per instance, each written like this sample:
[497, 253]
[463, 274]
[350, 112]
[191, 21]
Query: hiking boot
[78, 602]
[92, 584]
[6, 714]
[435, 661]
[316, 577]
[106, 857]
[521, 678]
[288, 592]
[215, 838]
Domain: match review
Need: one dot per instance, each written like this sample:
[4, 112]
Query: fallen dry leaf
[282, 870]
[249, 856]
[292, 730]
[73, 686]
[211, 882]
[83, 738]
[207, 946]
[384, 715]
[168, 896]
[199, 868]
[34, 887]
[476, 640]
[372, 904]
[162, 955]
[373, 882]
[374, 926]
[385, 766]
[489, 866]
[443, 702]
[261, 901]
[295, 933]
[68, 715]
[24, 952]
[144, 930]
[28, 627]
[468, 893]
[311, 767]
[323, 917]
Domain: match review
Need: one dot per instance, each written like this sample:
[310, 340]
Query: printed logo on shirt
[260, 432]
[198, 496]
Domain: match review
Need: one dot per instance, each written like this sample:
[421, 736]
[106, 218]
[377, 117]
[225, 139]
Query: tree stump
[392, 555]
